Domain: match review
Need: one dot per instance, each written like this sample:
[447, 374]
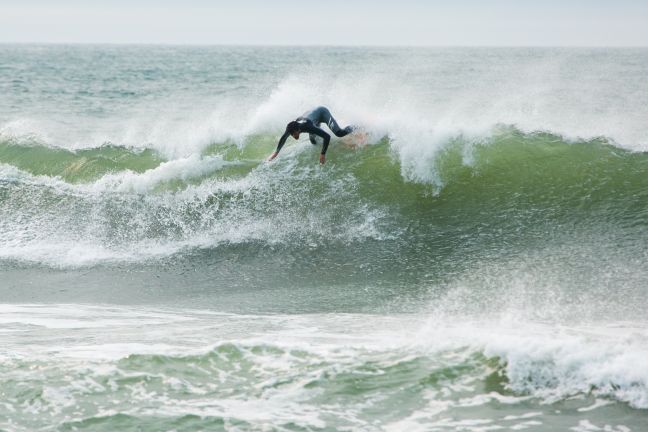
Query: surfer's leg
[312, 137]
[335, 127]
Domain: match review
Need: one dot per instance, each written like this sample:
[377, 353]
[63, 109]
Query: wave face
[475, 259]
[504, 191]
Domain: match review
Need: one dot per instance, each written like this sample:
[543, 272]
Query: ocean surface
[475, 260]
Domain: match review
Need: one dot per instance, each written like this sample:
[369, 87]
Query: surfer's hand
[322, 159]
[272, 156]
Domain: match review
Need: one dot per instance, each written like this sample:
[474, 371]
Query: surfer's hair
[292, 127]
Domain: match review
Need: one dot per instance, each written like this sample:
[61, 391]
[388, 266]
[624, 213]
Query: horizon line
[272, 45]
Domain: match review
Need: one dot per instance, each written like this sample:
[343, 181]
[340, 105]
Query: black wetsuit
[309, 122]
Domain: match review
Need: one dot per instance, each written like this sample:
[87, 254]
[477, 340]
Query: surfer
[309, 122]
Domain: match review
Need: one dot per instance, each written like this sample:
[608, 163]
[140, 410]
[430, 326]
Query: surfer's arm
[319, 132]
[281, 143]
[327, 138]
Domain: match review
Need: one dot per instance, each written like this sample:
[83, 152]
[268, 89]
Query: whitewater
[477, 263]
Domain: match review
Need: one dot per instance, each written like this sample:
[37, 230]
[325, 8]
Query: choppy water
[479, 265]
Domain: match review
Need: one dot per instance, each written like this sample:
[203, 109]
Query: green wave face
[541, 176]
[79, 166]
[508, 190]
[528, 221]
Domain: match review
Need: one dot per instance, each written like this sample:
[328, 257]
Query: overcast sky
[329, 22]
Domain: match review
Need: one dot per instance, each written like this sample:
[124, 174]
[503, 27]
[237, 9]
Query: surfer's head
[293, 129]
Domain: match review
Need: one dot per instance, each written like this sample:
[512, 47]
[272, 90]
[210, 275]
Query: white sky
[329, 22]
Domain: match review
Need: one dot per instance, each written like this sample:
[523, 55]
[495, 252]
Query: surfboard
[357, 138]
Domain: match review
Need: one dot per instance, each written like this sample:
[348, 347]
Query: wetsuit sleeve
[309, 128]
[282, 141]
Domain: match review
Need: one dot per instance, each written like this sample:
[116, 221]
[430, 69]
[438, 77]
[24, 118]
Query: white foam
[265, 366]
[554, 362]
[541, 361]
[183, 169]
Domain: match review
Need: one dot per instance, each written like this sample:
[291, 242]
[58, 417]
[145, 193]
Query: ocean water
[476, 262]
